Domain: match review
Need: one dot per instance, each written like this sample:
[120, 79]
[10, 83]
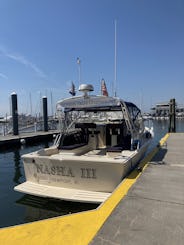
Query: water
[17, 208]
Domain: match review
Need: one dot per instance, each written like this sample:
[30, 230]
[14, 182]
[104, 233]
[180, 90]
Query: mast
[40, 113]
[30, 99]
[115, 57]
[51, 102]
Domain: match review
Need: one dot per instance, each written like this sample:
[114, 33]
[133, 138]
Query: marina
[36, 200]
[142, 208]
[103, 165]
[12, 173]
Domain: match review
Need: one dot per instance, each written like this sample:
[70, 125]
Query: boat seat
[72, 141]
[71, 147]
[116, 148]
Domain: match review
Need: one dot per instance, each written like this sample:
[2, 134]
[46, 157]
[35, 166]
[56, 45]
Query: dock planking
[29, 138]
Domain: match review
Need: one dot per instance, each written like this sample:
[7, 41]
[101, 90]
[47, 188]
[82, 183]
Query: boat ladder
[57, 140]
[129, 124]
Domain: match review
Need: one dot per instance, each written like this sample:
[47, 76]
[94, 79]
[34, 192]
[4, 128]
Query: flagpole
[79, 70]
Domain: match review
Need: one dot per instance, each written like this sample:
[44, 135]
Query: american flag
[104, 88]
[72, 90]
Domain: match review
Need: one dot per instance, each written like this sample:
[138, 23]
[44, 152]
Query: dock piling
[45, 114]
[14, 113]
[172, 116]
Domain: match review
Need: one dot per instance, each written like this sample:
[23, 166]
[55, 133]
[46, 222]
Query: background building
[161, 110]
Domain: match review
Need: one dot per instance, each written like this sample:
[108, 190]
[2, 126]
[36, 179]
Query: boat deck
[98, 152]
[67, 194]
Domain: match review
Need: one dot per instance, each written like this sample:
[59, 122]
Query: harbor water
[17, 208]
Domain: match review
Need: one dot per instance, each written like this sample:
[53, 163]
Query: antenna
[115, 57]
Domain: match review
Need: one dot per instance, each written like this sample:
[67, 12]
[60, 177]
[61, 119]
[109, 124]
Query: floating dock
[146, 208]
[8, 141]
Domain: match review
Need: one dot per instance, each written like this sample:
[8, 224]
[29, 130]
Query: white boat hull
[87, 178]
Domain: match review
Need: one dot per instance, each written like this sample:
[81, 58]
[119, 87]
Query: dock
[153, 210]
[8, 141]
[146, 208]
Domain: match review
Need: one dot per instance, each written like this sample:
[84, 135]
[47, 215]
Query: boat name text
[88, 173]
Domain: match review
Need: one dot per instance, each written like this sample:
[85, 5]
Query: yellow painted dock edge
[74, 229]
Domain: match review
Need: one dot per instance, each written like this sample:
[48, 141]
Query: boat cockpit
[99, 122]
[112, 136]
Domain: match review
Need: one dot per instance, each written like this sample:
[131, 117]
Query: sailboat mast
[51, 102]
[30, 100]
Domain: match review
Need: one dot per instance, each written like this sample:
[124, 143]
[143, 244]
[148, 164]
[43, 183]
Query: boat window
[133, 110]
[94, 117]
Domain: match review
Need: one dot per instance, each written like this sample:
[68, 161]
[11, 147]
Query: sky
[40, 41]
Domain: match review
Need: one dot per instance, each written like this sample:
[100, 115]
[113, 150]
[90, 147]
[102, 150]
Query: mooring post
[172, 116]
[14, 113]
[45, 114]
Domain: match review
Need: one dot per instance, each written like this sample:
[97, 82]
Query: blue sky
[40, 41]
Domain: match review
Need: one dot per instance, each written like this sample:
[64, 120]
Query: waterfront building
[161, 110]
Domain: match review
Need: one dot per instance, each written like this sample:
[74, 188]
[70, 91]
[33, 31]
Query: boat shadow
[39, 208]
[157, 159]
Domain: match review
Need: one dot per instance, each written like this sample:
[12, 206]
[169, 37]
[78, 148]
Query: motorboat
[102, 139]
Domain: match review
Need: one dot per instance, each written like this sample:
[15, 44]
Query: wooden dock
[26, 138]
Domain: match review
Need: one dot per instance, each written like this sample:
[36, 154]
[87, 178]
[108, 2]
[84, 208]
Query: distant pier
[146, 208]
[17, 137]
[9, 141]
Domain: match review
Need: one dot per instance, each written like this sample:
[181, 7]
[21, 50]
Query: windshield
[104, 115]
[97, 117]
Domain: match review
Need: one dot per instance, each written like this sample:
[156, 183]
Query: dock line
[74, 229]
